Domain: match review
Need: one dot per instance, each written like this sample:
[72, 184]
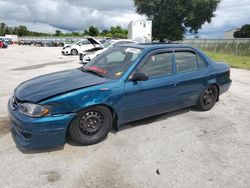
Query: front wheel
[208, 98]
[91, 125]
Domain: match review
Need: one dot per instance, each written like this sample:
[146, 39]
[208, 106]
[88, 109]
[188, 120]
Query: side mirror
[139, 76]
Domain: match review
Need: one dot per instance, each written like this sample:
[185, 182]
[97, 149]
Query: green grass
[242, 62]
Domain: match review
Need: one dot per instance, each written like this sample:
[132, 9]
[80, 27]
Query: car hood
[49, 85]
[93, 41]
[66, 45]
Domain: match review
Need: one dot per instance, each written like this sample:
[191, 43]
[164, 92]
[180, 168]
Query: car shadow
[149, 120]
[28, 151]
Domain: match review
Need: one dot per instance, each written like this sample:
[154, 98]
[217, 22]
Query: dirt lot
[186, 148]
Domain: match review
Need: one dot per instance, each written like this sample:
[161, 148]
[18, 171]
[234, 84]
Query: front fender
[75, 101]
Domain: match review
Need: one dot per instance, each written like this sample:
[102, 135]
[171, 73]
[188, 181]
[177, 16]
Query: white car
[87, 55]
[83, 45]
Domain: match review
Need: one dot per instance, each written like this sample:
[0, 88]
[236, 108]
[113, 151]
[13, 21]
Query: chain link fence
[239, 47]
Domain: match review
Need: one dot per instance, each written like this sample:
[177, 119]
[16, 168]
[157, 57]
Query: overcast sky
[77, 15]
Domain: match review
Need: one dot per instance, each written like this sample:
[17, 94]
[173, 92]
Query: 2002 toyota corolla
[123, 84]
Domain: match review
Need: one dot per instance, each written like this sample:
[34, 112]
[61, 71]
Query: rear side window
[188, 61]
[158, 65]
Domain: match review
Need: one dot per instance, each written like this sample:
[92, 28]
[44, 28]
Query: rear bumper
[38, 133]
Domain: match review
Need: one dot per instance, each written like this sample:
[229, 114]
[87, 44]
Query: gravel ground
[185, 148]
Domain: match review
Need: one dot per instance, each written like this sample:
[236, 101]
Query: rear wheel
[74, 52]
[91, 125]
[208, 98]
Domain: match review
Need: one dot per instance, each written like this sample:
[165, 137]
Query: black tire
[74, 52]
[208, 98]
[91, 126]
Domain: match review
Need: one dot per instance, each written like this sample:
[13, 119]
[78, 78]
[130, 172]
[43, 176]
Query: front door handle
[172, 85]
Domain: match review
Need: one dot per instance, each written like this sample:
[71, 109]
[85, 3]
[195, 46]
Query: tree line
[21, 30]
[243, 32]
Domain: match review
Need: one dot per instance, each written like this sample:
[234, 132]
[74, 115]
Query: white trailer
[140, 31]
[14, 38]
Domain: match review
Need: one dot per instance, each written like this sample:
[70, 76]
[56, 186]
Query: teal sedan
[123, 84]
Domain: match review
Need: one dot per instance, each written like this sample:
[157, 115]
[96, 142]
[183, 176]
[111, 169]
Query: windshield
[114, 62]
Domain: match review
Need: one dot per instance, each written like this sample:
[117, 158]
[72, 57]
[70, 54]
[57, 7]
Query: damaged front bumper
[38, 133]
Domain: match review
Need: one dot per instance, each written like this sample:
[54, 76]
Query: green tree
[86, 32]
[2, 28]
[58, 33]
[104, 32]
[172, 19]
[93, 31]
[118, 32]
[244, 32]
[15, 31]
[8, 30]
[23, 31]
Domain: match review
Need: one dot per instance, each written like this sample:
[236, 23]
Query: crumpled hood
[49, 85]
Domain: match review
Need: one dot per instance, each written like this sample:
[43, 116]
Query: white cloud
[68, 15]
[77, 15]
[230, 14]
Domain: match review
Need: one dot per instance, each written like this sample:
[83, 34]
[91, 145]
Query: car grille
[14, 102]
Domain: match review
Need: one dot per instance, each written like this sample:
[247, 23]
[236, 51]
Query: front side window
[158, 65]
[187, 61]
[114, 62]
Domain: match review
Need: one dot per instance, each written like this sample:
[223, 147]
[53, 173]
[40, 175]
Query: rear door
[192, 74]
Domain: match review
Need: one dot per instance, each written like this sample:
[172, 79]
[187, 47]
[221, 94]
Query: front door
[156, 95]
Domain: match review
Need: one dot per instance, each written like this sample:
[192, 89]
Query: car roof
[156, 45]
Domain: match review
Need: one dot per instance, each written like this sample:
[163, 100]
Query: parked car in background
[87, 55]
[3, 44]
[83, 45]
[123, 84]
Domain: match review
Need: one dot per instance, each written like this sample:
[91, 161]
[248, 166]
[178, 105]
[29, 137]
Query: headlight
[35, 110]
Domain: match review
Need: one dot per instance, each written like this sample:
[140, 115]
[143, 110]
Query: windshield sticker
[98, 69]
[133, 50]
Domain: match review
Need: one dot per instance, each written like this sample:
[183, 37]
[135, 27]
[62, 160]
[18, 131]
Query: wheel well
[74, 49]
[114, 116]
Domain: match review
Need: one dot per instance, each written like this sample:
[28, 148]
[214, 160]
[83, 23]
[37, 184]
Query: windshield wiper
[91, 71]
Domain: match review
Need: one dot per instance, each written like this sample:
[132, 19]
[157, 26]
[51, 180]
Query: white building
[230, 34]
[140, 31]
